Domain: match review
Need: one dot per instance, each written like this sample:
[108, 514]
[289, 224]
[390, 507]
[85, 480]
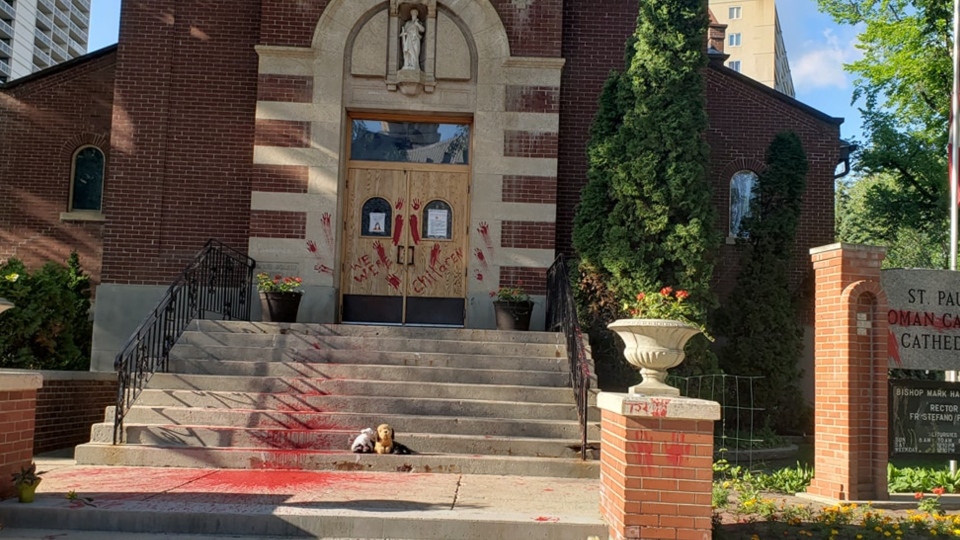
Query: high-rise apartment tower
[36, 34]
[754, 41]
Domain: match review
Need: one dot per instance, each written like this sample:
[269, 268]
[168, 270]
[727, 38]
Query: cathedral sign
[923, 318]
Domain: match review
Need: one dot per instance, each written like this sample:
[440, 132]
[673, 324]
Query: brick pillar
[656, 466]
[18, 405]
[850, 374]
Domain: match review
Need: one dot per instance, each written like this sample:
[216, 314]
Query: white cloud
[820, 65]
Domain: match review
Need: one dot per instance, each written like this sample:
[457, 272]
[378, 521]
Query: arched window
[86, 189]
[741, 194]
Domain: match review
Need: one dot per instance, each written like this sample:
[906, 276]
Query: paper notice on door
[438, 223]
[378, 222]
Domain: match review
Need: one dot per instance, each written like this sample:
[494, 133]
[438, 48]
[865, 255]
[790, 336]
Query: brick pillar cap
[11, 380]
[848, 247]
[673, 408]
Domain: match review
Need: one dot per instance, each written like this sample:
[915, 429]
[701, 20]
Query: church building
[406, 158]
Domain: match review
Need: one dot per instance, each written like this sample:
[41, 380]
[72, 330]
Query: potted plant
[513, 308]
[26, 482]
[655, 336]
[279, 297]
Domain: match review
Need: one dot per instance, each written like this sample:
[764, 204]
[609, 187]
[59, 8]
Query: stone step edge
[174, 358]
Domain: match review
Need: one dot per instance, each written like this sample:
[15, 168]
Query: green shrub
[49, 328]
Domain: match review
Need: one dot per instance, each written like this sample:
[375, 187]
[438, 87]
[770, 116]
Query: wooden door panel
[374, 234]
[438, 209]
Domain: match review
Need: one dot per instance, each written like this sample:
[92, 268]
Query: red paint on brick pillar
[656, 474]
[18, 404]
[851, 374]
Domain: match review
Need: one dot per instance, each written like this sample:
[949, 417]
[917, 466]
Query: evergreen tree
[760, 318]
[645, 219]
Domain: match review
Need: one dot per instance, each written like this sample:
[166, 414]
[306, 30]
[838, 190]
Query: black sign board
[924, 418]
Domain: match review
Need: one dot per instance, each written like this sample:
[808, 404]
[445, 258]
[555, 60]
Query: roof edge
[63, 66]
[793, 102]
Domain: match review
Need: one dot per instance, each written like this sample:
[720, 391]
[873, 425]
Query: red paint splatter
[416, 204]
[659, 407]
[312, 246]
[484, 230]
[327, 229]
[493, 294]
[478, 275]
[400, 203]
[397, 229]
[893, 348]
[543, 519]
[434, 255]
[414, 229]
[323, 269]
[677, 451]
[381, 254]
[394, 281]
[482, 258]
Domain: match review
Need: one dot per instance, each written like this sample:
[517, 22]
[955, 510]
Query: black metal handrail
[217, 282]
[562, 317]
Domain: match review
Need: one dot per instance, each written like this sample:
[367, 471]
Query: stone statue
[411, 35]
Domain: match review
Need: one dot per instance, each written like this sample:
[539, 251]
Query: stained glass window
[88, 167]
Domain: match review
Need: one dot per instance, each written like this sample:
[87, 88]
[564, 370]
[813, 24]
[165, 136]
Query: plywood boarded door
[373, 266]
[436, 256]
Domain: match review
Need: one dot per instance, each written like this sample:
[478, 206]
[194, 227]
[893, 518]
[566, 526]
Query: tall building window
[741, 195]
[86, 189]
[734, 65]
[735, 12]
[734, 40]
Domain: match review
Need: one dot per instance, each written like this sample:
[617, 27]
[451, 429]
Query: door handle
[400, 253]
[411, 255]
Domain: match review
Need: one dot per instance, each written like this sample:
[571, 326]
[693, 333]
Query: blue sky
[816, 46]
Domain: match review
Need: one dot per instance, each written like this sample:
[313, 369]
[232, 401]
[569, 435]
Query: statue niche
[411, 37]
[411, 60]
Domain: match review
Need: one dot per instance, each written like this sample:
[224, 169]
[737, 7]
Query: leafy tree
[760, 320]
[861, 206]
[904, 80]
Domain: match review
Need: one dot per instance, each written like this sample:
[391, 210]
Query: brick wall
[529, 189]
[530, 144]
[278, 224]
[18, 399]
[527, 234]
[289, 88]
[43, 121]
[533, 280]
[656, 466]
[851, 375]
[186, 91]
[68, 404]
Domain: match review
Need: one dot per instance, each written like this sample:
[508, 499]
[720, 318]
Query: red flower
[666, 291]
[938, 491]
[640, 297]
[682, 295]
[918, 495]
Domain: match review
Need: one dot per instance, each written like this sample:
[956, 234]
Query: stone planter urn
[26, 493]
[654, 346]
[280, 306]
[513, 315]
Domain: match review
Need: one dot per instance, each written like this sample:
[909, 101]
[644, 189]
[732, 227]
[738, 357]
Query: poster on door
[438, 223]
[378, 222]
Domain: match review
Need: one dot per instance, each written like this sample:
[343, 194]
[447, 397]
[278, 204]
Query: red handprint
[478, 275]
[323, 269]
[400, 203]
[415, 229]
[416, 204]
[482, 258]
[312, 246]
[434, 255]
[381, 254]
[484, 230]
[397, 229]
[394, 281]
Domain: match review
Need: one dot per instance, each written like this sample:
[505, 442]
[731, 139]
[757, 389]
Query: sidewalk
[317, 504]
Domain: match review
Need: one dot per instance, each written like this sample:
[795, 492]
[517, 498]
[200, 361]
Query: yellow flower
[886, 533]
[12, 278]
[859, 537]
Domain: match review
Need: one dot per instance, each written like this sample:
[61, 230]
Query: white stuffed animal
[364, 442]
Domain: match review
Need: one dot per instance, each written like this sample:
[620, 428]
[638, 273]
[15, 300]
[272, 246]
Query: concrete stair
[271, 396]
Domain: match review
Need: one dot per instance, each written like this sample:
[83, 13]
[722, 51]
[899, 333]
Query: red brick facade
[67, 408]
[538, 99]
[527, 235]
[529, 189]
[282, 133]
[278, 224]
[17, 424]
[289, 88]
[43, 121]
[533, 280]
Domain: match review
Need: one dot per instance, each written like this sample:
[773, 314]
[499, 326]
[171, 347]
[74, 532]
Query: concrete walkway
[213, 503]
